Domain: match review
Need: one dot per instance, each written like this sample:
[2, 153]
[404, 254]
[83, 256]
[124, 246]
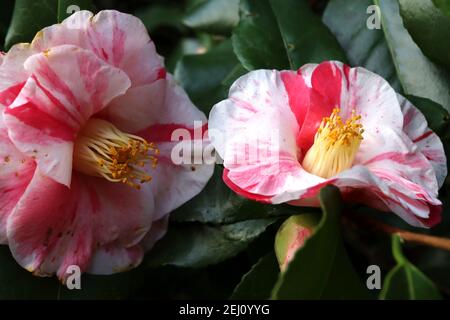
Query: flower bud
[292, 235]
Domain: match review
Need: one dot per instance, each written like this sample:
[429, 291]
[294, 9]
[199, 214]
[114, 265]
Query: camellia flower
[86, 176]
[284, 135]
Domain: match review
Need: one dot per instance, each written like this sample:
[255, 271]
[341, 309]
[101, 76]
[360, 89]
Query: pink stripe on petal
[30, 115]
[400, 158]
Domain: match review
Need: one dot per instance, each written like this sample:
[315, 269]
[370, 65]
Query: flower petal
[255, 131]
[67, 86]
[53, 227]
[416, 127]
[162, 102]
[16, 171]
[379, 189]
[157, 231]
[118, 38]
[12, 72]
[112, 259]
[177, 180]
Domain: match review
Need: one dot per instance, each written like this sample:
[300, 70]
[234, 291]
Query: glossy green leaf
[158, 16]
[305, 38]
[429, 27]
[257, 39]
[444, 5]
[202, 75]
[198, 245]
[257, 284]
[214, 16]
[282, 34]
[6, 8]
[218, 204]
[418, 75]
[405, 281]
[235, 74]
[29, 17]
[321, 269]
[364, 47]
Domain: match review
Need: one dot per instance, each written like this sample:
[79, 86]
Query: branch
[414, 237]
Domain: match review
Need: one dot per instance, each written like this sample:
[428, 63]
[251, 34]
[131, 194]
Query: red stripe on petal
[423, 136]
[57, 84]
[347, 75]
[162, 73]
[55, 101]
[31, 116]
[327, 81]
[298, 92]
[9, 95]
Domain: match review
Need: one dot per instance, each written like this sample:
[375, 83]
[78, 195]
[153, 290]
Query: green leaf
[29, 17]
[160, 15]
[257, 39]
[364, 47]
[214, 16]
[6, 8]
[202, 75]
[429, 28]
[444, 5]
[321, 269]
[282, 34]
[418, 75]
[218, 204]
[405, 281]
[257, 284]
[235, 73]
[305, 38]
[197, 245]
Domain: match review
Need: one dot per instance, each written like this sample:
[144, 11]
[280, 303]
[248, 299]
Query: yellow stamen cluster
[102, 150]
[335, 145]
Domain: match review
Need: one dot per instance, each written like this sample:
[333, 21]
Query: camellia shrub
[227, 149]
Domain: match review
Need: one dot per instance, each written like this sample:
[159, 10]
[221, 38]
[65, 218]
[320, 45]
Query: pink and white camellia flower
[283, 135]
[86, 177]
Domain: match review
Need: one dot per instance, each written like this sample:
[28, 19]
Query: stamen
[335, 145]
[102, 150]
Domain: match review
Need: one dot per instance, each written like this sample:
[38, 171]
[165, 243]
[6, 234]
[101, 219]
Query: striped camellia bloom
[86, 175]
[283, 135]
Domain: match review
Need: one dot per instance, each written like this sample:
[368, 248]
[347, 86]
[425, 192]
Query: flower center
[335, 145]
[102, 150]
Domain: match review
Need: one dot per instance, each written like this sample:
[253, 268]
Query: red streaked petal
[68, 85]
[429, 144]
[53, 227]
